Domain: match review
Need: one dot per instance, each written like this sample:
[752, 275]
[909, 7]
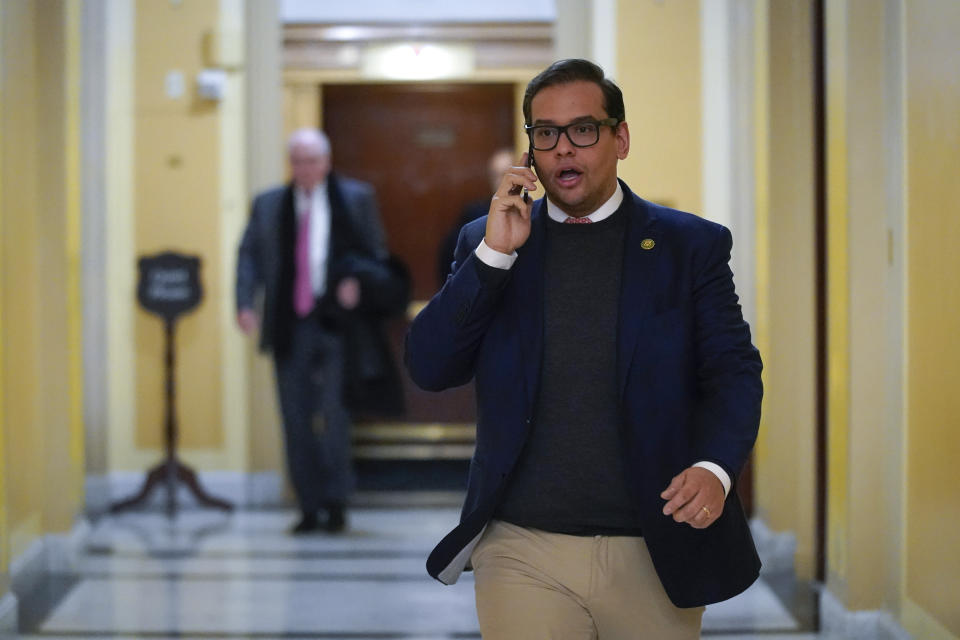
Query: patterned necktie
[302, 289]
[583, 220]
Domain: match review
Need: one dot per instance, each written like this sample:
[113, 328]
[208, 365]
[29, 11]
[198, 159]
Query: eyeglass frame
[611, 122]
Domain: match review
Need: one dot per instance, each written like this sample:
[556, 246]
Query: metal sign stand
[170, 286]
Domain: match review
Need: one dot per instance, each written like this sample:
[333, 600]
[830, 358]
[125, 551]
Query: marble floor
[209, 575]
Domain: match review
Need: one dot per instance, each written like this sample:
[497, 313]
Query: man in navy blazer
[618, 392]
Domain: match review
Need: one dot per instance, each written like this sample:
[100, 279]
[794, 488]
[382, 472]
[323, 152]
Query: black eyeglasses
[585, 133]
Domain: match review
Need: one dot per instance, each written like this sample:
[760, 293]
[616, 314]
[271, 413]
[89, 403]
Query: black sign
[169, 284]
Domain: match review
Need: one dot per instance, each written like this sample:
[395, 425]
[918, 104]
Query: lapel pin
[648, 244]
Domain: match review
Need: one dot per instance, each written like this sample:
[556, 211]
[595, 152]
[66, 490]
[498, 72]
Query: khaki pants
[534, 585]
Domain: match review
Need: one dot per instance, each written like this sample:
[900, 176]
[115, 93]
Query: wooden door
[425, 148]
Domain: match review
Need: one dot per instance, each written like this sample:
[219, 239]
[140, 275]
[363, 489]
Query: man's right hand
[248, 321]
[508, 221]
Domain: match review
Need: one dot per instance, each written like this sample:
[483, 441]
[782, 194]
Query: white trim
[894, 426]
[93, 169]
[422, 11]
[717, 102]
[120, 264]
[8, 614]
[603, 39]
[234, 360]
[896, 412]
[726, 65]
[837, 621]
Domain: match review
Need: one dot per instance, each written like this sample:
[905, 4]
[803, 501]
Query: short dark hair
[576, 70]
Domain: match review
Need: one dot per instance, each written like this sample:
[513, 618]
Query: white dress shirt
[319, 210]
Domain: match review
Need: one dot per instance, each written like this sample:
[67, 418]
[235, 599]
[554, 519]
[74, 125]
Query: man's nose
[564, 146]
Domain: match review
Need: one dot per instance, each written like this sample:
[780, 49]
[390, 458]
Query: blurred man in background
[295, 252]
[499, 163]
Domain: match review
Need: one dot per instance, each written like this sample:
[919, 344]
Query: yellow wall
[4, 525]
[177, 163]
[177, 208]
[21, 352]
[864, 452]
[932, 64]
[658, 69]
[784, 461]
[893, 148]
[41, 437]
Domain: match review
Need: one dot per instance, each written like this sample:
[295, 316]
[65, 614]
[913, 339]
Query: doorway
[425, 148]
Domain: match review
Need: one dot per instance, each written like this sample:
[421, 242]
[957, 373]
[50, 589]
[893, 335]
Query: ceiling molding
[341, 46]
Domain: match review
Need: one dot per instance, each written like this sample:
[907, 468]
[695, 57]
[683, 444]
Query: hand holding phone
[508, 221]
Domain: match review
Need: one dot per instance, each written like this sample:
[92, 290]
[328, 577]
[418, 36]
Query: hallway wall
[174, 178]
[658, 69]
[893, 93]
[784, 458]
[41, 431]
[932, 310]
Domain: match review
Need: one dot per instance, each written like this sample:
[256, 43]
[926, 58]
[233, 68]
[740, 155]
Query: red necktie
[583, 220]
[302, 289]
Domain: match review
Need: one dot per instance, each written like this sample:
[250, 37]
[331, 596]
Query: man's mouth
[568, 177]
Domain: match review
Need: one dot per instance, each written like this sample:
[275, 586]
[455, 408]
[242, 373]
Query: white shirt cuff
[493, 258]
[718, 471]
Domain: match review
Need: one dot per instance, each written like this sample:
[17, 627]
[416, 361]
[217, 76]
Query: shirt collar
[605, 211]
[301, 195]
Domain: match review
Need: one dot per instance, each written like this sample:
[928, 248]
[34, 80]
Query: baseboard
[52, 553]
[264, 489]
[777, 550]
[28, 568]
[63, 549]
[837, 621]
[921, 624]
[8, 615]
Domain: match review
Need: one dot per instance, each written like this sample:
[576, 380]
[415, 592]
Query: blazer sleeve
[728, 365]
[445, 337]
[249, 256]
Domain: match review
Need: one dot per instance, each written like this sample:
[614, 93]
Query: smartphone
[526, 194]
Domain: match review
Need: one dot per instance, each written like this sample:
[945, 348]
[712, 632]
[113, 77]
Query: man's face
[578, 179]
[308, 166]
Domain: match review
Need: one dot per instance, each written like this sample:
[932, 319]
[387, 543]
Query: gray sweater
[570, 477]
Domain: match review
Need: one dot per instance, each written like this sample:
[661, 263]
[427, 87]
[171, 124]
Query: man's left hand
[348, 293]
[695, 497]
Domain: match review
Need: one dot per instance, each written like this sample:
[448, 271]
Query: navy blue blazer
[688, 374]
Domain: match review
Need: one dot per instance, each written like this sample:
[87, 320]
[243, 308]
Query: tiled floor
[208, 575]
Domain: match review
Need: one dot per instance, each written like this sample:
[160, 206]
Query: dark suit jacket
[474, 210]
[357, 248]
[689, 382]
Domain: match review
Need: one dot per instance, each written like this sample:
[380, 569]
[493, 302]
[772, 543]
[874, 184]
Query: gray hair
[309, 137]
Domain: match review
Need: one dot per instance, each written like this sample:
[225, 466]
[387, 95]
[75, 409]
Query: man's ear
[622, 134]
